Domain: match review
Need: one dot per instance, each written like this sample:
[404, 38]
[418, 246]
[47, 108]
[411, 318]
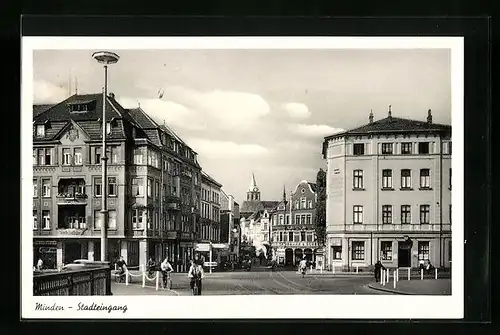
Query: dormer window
[80, 106]
[40, 130]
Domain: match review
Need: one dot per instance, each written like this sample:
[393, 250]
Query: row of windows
[303, 203]
[358, 250]
[407, 148]
[387, 217]
[296, 236]
[206, 213]
[387, 181]
[282, 219]
[72, 156]
[210, 233]
[40, 128]
[208, 195]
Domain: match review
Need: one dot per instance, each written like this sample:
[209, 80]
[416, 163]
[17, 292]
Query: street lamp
[104, 57]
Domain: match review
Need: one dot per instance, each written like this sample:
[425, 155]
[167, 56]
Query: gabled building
[389, 194]
[154, 184]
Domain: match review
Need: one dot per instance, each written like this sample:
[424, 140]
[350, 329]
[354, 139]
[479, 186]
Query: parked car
[83, 264]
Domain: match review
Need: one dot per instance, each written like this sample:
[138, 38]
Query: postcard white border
[258, 306]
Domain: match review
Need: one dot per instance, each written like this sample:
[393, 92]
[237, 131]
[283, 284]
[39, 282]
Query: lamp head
[105, 57]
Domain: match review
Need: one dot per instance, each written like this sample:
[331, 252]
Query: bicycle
[167, 281]
[196, 289]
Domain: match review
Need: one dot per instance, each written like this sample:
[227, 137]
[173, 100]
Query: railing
[398, 227]
[295, 244]
[92, 281]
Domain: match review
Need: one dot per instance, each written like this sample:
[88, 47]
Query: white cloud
[172, 113]
[297, 110]
[314, 130]
[46, 92]
[225, 149]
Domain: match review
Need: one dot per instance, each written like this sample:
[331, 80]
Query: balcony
[71, 191]
[397, 227]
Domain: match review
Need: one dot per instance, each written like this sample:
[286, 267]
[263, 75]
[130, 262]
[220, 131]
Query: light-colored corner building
[389, 194]
[210, 209]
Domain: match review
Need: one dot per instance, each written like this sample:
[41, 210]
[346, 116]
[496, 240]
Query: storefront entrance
[47, 252]
[404, 254]
[289, 257]
[72, 251]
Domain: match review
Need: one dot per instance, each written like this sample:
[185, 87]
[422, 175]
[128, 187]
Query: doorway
[73, 251]
[404, 254]
[289, 257]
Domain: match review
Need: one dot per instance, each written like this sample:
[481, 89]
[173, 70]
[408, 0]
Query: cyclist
[151, 266]
[166, 268]
[122, 265]
[196, 274]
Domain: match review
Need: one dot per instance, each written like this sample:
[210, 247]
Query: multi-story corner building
[293, 230]
[230, 225]
[389, 194]
[153, 184]
[210, 223]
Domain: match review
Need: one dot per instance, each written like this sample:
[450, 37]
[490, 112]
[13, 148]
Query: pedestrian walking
[378, 270]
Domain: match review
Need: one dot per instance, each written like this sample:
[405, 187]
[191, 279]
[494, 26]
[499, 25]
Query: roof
[394, 124]
[207, 177]
[313, 186]
[142, 119]
[251, 206]
[61, 111]
[37, 109]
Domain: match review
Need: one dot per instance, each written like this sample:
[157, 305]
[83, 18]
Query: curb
[389, 290]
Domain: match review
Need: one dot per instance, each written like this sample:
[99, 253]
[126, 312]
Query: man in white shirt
[196, 274]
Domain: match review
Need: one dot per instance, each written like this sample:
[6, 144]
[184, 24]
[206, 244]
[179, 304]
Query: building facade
[154, 184]
[389, 194]
[210, 223]
[230, 225]
[292, 226]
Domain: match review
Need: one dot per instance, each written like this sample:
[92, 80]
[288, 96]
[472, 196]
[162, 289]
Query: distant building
[293, 229]
[389, 194]
[230, 224]
[210, 210]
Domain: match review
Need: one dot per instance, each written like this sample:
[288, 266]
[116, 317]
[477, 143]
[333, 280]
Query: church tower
[253, 193]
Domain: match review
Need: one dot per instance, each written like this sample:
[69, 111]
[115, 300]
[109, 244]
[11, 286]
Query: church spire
[284, 193]
[253, 184]
[253, 192]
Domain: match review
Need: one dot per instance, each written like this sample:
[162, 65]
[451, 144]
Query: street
[258, 282]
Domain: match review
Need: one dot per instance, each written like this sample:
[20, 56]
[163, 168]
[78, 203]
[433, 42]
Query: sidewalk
[137, 289]
[416, 287]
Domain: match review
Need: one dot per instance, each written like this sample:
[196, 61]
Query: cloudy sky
[261, 111]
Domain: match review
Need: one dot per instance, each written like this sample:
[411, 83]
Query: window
[35, 220]
[46, 188]
[425, 214]
[157, 189]
[357, 214]
[41, 158]
[137, 187]
[137, 157]
[297, 204]
[405, 214]
[450, 180]
[310, 204]
[98, 186]
[423, 250]
[302, 236]
[97, 156]
[40, 130]
[78, 156]
[406, 148]
[358, 250]
[387, 179]
[423, 148]
[287, 220]
[358, 179]
[406, 179]
[296, 237]
[112, 219]
[359, 149]
[303, 219]
[297, 219]
[386, 248]
[46, 220]
[112, 186]
[386, 214]
[35, 188]
[97, 219]
[303, 202]
[449, 148]
[387, 148]
[425, 178]
[309, 237]
[35, 157]
[290, 236]
[337, 252]
[150, 182]
[66, 156]
[108, 127]
[47, 156]
[281, 219]
[449, 211]
[113, 155]
[308, 218]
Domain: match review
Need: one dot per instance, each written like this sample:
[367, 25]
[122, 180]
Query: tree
[320, 222]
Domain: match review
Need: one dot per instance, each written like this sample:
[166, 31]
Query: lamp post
[104, 57]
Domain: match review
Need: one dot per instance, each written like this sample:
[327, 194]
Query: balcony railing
[93, 281]
[398, 227]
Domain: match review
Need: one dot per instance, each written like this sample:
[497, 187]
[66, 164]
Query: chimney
[429, 117]
[370, 118]
[390, 112]
[111, 95]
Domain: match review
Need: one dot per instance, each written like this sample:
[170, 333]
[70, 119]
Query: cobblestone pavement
[257, 282]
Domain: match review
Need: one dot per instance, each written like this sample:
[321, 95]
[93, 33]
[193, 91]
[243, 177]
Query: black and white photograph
[293, 172]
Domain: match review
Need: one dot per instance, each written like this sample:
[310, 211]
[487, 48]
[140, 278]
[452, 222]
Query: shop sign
[45, 243]
[186, 244]
[202, 247]
[336, 242]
